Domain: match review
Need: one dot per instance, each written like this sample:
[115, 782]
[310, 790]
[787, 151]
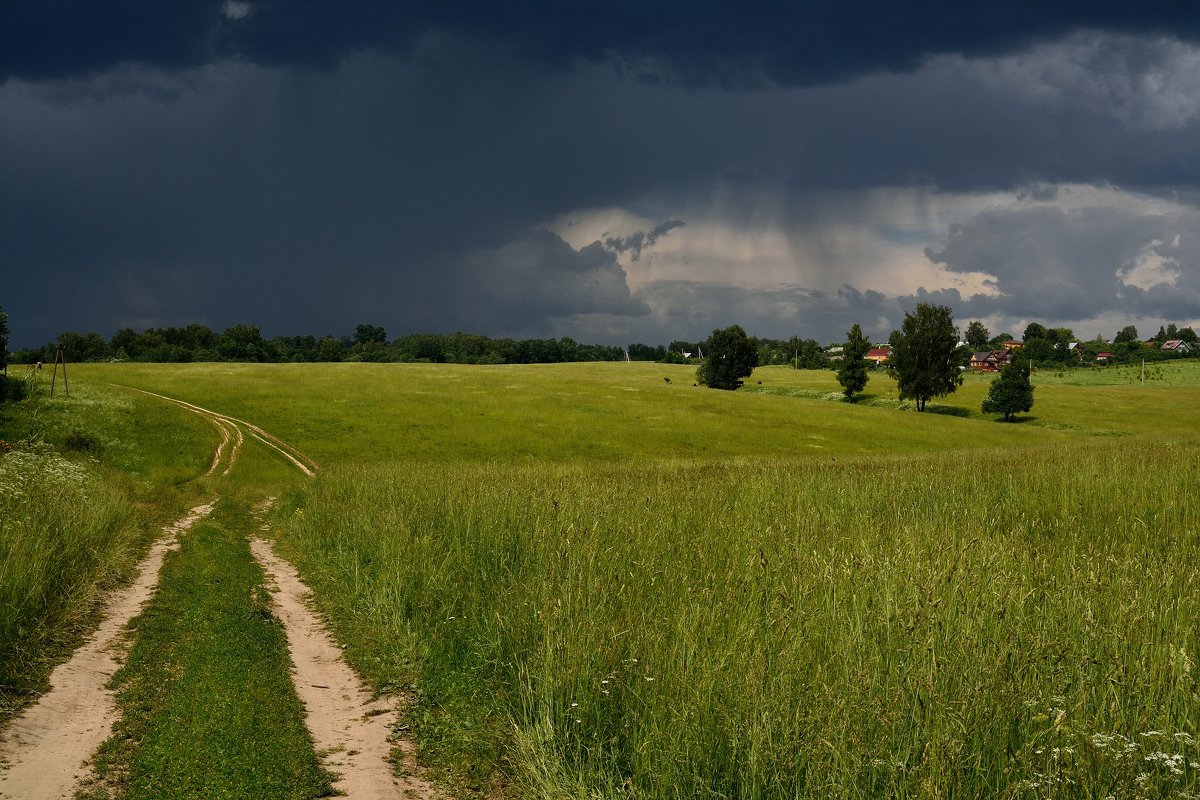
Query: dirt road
[45, 752]
[46, 748]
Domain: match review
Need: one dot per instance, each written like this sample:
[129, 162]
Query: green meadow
[598, 580]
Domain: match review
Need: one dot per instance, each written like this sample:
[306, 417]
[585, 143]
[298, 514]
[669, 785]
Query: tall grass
[63, 533]
[971, 625]
[87, 483]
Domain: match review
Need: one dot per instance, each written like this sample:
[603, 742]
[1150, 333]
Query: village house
[990, 360]
[878, 355]
[1176, 346]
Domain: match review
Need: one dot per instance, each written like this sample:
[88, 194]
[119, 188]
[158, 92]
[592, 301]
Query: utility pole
[60, 358]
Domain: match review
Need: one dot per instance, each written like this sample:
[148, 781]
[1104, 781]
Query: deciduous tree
[977, 335]
[1034, 330]
[923, 354]
[1127, 334]
[730, 355]
[1011, 393]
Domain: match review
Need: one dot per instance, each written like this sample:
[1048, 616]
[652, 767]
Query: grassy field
[600, 581]
[378, 413]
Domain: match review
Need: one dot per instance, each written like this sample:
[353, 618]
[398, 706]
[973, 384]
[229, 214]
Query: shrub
[80, 441]
[12, 389]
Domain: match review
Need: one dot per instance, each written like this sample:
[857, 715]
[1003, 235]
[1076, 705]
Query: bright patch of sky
[236, 9]
[871, 240]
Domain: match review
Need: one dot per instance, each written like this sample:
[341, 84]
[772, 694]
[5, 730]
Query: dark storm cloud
[724, 43]
[689, 310]
[1056, 264]
[408, 185]
[638, 241]
[542, 279]
[299, 203]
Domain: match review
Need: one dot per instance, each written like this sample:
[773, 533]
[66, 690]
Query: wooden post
[59, 357]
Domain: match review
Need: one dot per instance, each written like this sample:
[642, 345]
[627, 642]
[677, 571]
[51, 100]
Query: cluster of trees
[794, 352]
[730, 355]
[369, 343]
[924, 357]
[1051, 346]
[926, 363]
[1043, 346]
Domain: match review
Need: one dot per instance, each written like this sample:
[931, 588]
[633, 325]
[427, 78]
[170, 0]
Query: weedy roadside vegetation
[82, 484]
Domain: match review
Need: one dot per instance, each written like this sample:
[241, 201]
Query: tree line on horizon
[245, 343]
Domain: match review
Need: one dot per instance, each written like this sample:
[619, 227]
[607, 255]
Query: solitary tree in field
[730, 357]
[1011, 393]
[853, 374]
[922, 357]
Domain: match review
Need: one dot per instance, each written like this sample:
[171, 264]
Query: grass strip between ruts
[208, 707]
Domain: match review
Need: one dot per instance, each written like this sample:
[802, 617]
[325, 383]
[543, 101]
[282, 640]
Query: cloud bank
[610, 175]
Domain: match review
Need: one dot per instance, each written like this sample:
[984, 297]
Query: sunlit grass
[358, 413]
[61, 536]
[603, 583]
[903, 626]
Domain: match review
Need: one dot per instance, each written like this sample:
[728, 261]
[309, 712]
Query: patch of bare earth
[352, 732]
[46, 750]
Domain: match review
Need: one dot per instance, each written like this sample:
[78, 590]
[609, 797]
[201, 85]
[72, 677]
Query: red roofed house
[1176, 346]
[878, 354]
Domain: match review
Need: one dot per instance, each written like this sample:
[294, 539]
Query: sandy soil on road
[46, 749]
[45, 753]
[352, 732]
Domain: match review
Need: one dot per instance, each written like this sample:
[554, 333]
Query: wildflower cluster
[27, 474]
[1150, 764]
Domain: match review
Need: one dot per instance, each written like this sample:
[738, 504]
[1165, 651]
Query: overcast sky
[614, 172]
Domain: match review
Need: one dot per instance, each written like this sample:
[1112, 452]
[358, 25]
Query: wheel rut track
[45, 752]
[46, 747]
[233, 426]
